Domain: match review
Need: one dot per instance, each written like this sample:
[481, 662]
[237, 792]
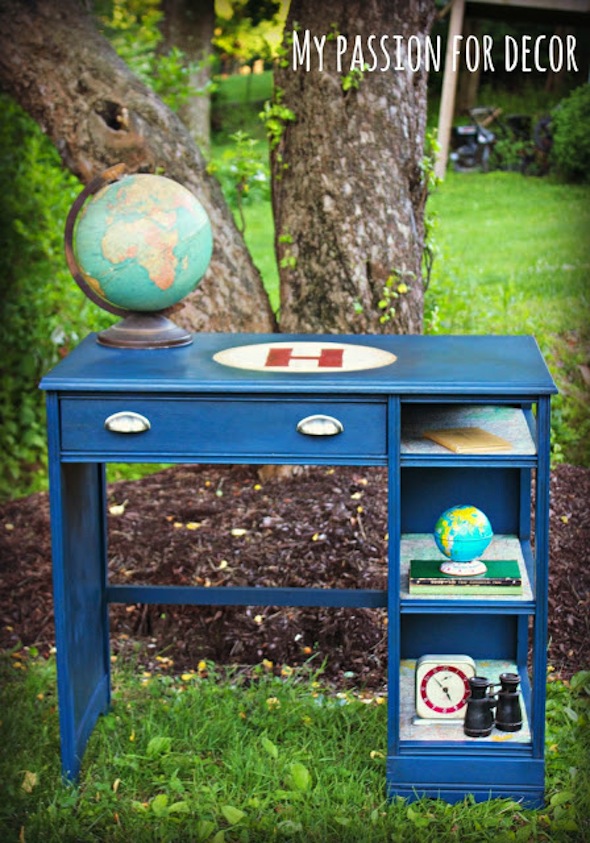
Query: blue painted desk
[196, 409]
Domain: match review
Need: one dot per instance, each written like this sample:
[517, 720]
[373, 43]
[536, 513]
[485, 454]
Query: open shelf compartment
[512, 424]
[452, 731]
[422, 546]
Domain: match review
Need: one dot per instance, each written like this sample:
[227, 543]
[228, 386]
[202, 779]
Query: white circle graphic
[299, 356]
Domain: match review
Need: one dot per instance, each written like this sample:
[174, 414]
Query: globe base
[145, 330]
[463, 569]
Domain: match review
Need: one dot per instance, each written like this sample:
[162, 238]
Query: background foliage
[483, 280]
[571, 120]
[43, 313]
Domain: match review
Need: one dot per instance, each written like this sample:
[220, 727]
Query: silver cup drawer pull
[127, 422]
[320, 425]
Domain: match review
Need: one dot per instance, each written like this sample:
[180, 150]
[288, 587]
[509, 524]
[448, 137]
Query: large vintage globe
[462, 533]
[142, 243]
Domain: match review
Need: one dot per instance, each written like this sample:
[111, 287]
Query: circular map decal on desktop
[297, 357]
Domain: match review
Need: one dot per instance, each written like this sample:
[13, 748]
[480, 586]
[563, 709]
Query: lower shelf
[452, 731]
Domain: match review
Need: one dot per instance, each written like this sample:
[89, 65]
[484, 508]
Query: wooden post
[447, 102]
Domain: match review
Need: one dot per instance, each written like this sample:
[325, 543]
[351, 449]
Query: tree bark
[188, 25]
[348, 189]
[55, 63]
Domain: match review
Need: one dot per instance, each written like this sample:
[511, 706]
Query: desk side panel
[80, 607]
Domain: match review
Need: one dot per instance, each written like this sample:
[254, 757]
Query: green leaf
[179, 808]
[158, 746]
[205, 829]
[289, 827]
[573, 715]
[300, 777]
[159, 805]
[232, 815]
[561, 798]
[138, 806]
[270, 747]
[581, 680]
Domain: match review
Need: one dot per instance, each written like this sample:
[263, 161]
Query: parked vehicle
[472, 144]
[492, 142]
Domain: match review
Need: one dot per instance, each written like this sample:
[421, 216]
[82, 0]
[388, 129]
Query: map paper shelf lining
[507, 423]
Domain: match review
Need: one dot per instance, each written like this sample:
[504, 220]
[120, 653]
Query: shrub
[571, 135]
[43, 312]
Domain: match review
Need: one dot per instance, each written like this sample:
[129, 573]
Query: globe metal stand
[145, 330]
[473, 568]
[138, 329]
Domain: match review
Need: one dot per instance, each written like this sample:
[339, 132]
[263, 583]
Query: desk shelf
[414, 732]
[513, 424]
[422, 546]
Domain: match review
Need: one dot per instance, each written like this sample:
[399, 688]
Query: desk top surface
[304, 363]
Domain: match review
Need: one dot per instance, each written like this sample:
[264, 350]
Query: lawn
[272, 754]
[513, 256]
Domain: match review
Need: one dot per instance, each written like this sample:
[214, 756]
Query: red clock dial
[444, 689]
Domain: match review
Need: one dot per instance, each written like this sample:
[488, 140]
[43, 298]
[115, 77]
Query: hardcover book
[468, 440]
[502, 577]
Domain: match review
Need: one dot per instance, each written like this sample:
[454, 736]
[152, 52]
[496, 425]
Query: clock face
[442, 688]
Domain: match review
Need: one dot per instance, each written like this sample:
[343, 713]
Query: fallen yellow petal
[30, 781]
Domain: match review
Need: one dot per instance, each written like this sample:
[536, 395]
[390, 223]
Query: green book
[502, 577]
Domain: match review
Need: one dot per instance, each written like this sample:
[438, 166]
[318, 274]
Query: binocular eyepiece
[479, 715]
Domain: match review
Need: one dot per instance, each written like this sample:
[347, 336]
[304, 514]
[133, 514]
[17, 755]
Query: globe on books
[462, 533]
[138, 246]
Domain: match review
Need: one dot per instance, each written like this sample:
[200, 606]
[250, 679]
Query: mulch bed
[224, 525]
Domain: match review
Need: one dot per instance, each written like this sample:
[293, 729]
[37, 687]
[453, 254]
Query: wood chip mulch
[224, 525]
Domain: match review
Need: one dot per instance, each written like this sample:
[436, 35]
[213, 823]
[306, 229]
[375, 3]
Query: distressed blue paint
[443, 365]
[393, 581]
[247, 596]
[541, 579]
[488, 774]
[201, 411]
[213, 428]
[428, 492]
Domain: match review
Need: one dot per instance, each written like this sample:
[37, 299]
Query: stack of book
[502, 577]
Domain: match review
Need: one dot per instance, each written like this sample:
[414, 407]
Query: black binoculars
[479, 715]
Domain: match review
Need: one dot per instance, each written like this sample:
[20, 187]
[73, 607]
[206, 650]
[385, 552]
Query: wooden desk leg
[81, 614]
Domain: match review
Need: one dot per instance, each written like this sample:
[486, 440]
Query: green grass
[513, 258]
[259, 236]
[259, 230]
[253, 87]
[257, 757]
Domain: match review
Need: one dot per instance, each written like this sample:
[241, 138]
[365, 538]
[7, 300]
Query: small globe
[142, 243]
[463, 533]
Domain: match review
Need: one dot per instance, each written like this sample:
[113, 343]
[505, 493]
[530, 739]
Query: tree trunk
[188, 25]
[66, 75]
[348, 189]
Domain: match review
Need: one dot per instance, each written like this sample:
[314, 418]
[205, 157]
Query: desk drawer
[222, 429]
